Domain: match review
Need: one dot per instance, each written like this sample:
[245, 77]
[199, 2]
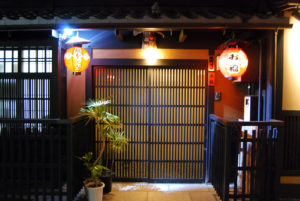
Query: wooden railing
[81, 142]
[39, 158]
[34, 159]
[291, 155]
[246, 158]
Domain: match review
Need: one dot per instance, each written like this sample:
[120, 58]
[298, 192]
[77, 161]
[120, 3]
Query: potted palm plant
[93, 185]
[110, 127]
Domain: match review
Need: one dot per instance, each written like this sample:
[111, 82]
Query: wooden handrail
[237, 123]
[53, 121]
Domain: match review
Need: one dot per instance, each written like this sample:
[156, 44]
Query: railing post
[210, 137]
[70, 162]
[227, 161]
[279, 161]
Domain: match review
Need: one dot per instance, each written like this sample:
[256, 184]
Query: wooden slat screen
[291, 152]
[163, 112]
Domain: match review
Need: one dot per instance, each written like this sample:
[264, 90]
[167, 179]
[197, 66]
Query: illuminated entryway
[163, 112]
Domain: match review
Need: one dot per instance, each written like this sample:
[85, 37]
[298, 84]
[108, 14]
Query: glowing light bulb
[151, 55]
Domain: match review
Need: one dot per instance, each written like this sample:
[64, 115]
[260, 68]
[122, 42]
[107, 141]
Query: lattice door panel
[163, 112]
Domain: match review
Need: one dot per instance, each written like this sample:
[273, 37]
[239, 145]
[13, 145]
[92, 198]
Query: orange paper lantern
[233, 62]
[77, 59]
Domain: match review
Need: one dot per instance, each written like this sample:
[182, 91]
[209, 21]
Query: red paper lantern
[233, 62]
[77, 59]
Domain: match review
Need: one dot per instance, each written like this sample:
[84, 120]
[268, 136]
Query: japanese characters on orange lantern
[233, 62]
[77, 59]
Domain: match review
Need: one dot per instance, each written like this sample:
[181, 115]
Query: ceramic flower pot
[95, 193]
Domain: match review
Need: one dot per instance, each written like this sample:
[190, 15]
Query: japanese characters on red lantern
[233, 62]
[77, 59]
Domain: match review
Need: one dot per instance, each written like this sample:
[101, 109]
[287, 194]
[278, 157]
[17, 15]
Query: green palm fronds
[96, 110]
[118, 140]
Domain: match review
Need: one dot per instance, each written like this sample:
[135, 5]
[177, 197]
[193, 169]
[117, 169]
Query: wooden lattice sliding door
[163, 112]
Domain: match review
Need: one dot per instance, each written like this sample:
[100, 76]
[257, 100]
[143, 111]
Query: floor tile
[167, 196]
[126, 196]
[203, 196]
[123, 186]
[142, 186]
[141, 191]
[156, 187]
[187, 187]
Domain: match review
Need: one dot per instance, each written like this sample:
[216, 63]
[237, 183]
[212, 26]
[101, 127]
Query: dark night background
[252, 4]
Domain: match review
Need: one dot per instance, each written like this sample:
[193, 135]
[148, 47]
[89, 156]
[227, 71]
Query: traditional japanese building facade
[175, 93]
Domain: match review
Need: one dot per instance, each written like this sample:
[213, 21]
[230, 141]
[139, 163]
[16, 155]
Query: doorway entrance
[163, 111]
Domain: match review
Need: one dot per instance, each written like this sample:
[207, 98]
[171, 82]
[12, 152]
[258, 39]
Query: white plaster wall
[291, 67]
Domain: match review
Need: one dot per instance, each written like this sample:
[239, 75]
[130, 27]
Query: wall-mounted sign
[233, 62]
[77, 59]
[211, 78]
[211, 66]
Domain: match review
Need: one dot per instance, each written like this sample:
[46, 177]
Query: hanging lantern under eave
[77, 59]
[233, 63]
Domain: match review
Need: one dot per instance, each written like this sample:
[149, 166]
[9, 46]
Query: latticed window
[25, 81]
[9, 60]
[37, 60]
